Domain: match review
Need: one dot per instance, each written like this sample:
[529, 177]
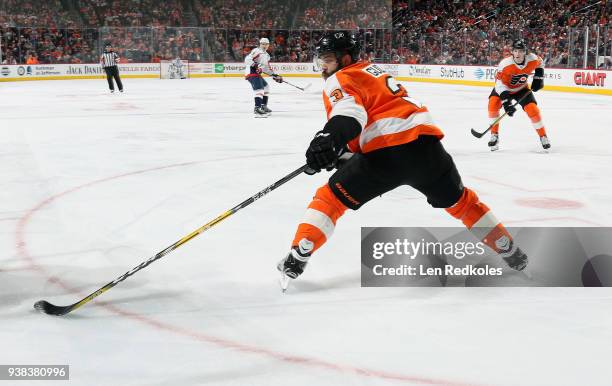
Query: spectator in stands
[32, 59]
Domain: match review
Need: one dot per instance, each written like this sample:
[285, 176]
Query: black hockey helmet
[340, 43]
[519, 44]
[107, 45]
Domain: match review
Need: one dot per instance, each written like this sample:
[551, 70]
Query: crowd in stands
[287, 45]
[28, 13]
[474, 32]
[152, 44]
[244, 14]
[131, 13]
[350, 14]
[398, 31]
[47, 45]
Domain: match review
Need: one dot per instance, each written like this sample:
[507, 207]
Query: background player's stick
[51, 309]
[495, 122]
[291, 84]
[298, 87]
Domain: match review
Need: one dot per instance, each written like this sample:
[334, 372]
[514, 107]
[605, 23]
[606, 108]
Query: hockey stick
[495, 122]
[298, 87]
[291, 84]
[51, 309]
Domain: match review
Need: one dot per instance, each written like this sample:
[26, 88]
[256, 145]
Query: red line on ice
[21, 246]
[491, 181]
[542, 219]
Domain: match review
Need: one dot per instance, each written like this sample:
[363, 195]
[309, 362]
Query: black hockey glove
[330, 143]
[321, 153]
[277, 78]
[538, 80]
[507, 103]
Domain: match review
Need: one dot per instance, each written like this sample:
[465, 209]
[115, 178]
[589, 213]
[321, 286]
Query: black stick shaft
[480, 134]
[284, 81]
[291, 84]
[58, 310]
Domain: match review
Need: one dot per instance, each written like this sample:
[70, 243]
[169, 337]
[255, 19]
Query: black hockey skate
[514, 257]
[545, 142]
[266, 109]
[260, 112]
[294, 263]
[494, 142]
[518, 260]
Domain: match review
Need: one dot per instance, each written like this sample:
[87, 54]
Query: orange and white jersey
[388, 116]
[513, 77]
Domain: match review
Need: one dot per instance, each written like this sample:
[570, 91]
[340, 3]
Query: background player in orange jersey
[394, 142]
[511, 84]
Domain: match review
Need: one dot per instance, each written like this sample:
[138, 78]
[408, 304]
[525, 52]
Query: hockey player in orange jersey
[511, 84]
[393, 142]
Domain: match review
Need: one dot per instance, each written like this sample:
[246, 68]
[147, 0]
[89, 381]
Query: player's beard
[318, 66]
[326, 73]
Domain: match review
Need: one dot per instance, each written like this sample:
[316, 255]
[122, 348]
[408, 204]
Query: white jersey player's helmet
[264, 41]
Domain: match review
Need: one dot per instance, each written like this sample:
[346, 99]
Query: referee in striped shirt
[109, 60]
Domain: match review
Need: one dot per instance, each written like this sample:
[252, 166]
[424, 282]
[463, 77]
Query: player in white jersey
[258, 62]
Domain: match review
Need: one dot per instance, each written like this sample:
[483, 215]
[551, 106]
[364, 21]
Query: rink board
[564, 80]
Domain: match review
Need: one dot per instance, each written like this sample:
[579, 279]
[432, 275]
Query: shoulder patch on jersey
[337, 94]
[339, 101]
[374, 70]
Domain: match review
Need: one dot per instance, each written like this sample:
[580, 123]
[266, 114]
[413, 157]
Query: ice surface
[94, 183]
